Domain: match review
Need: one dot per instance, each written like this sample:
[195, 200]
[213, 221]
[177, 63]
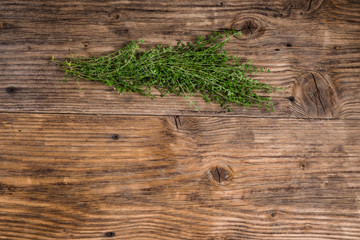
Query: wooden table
[92, 164]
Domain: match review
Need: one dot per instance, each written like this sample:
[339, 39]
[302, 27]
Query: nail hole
[273, 214]
[277, 49]
[115, 137]
[109, 234]
[10, 89]
[303, 165]
[116, 16]
[289, 45]
[291, 99]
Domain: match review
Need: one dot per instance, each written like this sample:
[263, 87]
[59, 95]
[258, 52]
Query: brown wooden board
[311, 47]
[67, 176]
[93, 164]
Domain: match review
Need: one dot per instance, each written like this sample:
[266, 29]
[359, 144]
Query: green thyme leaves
[202, 67]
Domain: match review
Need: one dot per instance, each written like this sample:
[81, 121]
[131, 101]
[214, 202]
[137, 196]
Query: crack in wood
[315, 95]
[318, 93]
[309, 6]
[220, 174]
[177, 121]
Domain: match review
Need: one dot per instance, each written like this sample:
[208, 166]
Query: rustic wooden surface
[93, 164]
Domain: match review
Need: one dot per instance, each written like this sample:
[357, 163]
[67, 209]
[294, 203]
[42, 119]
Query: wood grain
[67, 176]
[93, 164]
[293, 38]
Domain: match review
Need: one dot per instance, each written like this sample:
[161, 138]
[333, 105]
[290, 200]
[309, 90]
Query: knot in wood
[307, 227]
[115, 136]
[249, 27]
[315, 97]
[303, 7]
[11, 89]
[117, 16]
[109, 234]
[220, 174]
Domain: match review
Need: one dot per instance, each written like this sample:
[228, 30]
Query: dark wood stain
[93, 164]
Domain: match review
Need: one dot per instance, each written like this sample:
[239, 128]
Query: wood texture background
[93, 164]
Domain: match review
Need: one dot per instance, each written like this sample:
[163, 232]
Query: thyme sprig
[202, 67]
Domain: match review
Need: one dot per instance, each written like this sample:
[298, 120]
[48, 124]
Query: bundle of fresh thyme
[201, 67]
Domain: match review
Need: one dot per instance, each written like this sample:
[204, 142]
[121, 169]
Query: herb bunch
[201, 67]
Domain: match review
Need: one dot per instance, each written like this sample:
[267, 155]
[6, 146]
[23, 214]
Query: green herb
[201, 67]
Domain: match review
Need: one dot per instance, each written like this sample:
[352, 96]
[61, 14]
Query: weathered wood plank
[65, 176]
[295, 39]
